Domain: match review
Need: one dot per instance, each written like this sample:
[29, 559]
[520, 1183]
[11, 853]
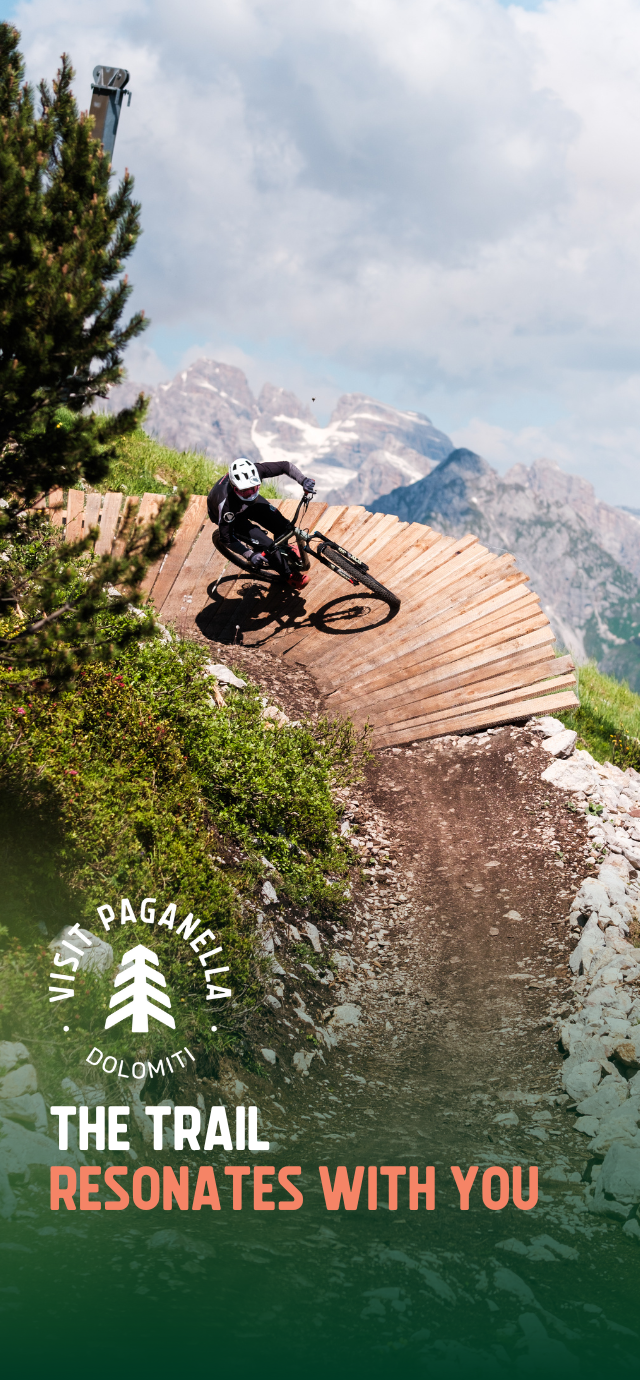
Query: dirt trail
[472, 833]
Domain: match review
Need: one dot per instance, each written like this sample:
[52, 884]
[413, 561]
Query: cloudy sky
[436, 202]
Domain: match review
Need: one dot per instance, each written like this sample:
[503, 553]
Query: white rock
[631, 1228]
[570, 776]
[549, 726]
[97, 957]
[223, 674]
[20, 1080]
[513, 1284]
[589, 1125]
[591, 942]
[275, 715]
[593, 895]
[269, 1055]
[611, 879]
[10, 1055]
[269, 894]
[313, 934]
[273, 1002]
[627, 1050]
[561, 744]
[19, 1149]
[620, 1125]
[29, 1107]
[343, 962]
[581, 1079]
[620, 1173]
[507, 1119]
[302, 1061]
[346, 1015]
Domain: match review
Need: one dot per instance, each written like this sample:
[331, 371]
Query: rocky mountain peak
[278, 402]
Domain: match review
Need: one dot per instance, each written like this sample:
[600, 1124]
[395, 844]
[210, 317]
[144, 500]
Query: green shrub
[132, 783]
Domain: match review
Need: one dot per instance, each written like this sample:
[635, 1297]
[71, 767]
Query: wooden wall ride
[469, 648]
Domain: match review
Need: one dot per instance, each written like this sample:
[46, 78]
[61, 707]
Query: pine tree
[63, 238]
[140, 995]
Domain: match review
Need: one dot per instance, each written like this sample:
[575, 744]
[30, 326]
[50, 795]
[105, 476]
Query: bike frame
[306, 537]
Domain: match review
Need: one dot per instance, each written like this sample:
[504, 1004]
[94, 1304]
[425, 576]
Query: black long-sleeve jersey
[224, 505]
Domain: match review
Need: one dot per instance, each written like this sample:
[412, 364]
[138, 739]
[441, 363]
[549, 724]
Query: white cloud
[440, 194]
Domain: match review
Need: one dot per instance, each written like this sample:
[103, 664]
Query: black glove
[308, 486]
[258, 558]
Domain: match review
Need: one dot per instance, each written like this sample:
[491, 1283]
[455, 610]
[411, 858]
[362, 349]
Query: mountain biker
[236, 505]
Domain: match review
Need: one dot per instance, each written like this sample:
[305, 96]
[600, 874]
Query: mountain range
[582, 555]
[366, 450]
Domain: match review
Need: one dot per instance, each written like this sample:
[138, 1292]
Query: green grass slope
[608, 719]
[143, 465]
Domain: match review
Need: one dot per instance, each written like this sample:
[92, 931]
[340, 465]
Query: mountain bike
[328, 552]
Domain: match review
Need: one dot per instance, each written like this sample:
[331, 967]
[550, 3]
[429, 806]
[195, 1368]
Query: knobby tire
[350, 568]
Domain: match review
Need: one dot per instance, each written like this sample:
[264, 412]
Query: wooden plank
[445, 707]
[446, 681]
[489, 591]
[160, 577]
[488, 614]
[500, 655]
[342, 659]
[532, 661]
[414, 730]
[437, 613]
[546, 686]
[192, 569]
[129, 510]
[108, 523]
[91, 515]
[457, 645]
[75, 508]
[526, 666]
[56, 507]
[150, 505]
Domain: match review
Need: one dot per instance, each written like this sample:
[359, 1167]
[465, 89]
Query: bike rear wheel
[356, 573]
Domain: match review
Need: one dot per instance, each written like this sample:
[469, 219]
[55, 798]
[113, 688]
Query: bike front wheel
[356, 573]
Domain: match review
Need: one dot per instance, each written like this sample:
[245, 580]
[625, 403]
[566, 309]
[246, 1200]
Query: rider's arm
[270, 469]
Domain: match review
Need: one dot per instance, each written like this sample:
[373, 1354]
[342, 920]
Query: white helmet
[244, 478]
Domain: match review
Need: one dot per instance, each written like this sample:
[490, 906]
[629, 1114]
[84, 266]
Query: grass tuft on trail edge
[133, 783]
[608, 718]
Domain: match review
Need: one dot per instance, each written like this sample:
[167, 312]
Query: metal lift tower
[108, 89]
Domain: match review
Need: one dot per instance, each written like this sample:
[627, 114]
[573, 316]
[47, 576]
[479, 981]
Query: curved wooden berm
[469, 648]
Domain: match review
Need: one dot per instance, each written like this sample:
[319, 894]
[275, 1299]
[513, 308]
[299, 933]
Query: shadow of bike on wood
[244, 609]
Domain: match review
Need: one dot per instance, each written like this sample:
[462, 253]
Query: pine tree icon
[138, 975]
